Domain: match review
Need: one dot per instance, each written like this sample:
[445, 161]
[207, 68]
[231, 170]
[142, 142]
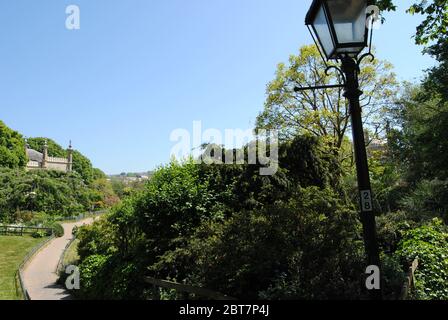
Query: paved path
[40, 275]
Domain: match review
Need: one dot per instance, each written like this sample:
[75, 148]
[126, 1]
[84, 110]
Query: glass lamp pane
[351, 51]
[320, 25]
[349, 19]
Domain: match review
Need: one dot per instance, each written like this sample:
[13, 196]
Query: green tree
[12, 148]
[52, 192]
[323, 113]
[420, 139]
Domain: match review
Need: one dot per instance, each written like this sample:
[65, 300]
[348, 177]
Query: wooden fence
[410, 281]
[22, 230]
[185, 289]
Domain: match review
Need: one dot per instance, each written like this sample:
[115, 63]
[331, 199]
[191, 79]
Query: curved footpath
[40, 276]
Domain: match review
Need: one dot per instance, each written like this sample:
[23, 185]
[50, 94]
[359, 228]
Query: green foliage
[304, 249]
[91, 270]
[39, 234]
[98, 174]
[435, 24]
[172, 205]
[102, 194]
[428, 243]
[83, 166]
[96, 239]
[12, 148]
[127, 231]
[110, 278]
[52, 192]
[57, 229]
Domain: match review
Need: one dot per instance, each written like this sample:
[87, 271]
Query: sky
[137, 70]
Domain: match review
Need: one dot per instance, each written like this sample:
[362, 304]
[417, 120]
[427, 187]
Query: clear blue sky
[139, 69]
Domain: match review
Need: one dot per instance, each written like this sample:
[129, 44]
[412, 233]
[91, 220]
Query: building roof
[34, 155]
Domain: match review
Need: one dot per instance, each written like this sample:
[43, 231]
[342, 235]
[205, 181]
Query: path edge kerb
[26, 261]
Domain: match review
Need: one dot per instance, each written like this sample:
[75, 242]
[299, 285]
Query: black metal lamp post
[340, 30]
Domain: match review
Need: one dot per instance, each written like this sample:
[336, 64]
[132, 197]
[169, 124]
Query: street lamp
[339, 26]
[340, 29]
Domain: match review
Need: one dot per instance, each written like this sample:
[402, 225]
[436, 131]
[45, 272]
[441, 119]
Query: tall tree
[323, 113]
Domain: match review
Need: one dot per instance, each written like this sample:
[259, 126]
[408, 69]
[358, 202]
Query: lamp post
[340, 30]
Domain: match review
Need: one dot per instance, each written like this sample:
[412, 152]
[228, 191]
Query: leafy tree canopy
[12, 148]
[324, 113]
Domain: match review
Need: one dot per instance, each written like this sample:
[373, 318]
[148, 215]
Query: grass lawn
[12, 252]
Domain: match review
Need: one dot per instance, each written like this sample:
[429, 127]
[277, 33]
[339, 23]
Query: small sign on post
[366, 201]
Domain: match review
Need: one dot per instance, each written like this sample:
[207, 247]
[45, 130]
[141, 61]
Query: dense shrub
[304, 249]
[58, 230]
[93, 277]
[96, 239]
[39, 234]
[109, 277]
[172, 206]
[429, 244]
